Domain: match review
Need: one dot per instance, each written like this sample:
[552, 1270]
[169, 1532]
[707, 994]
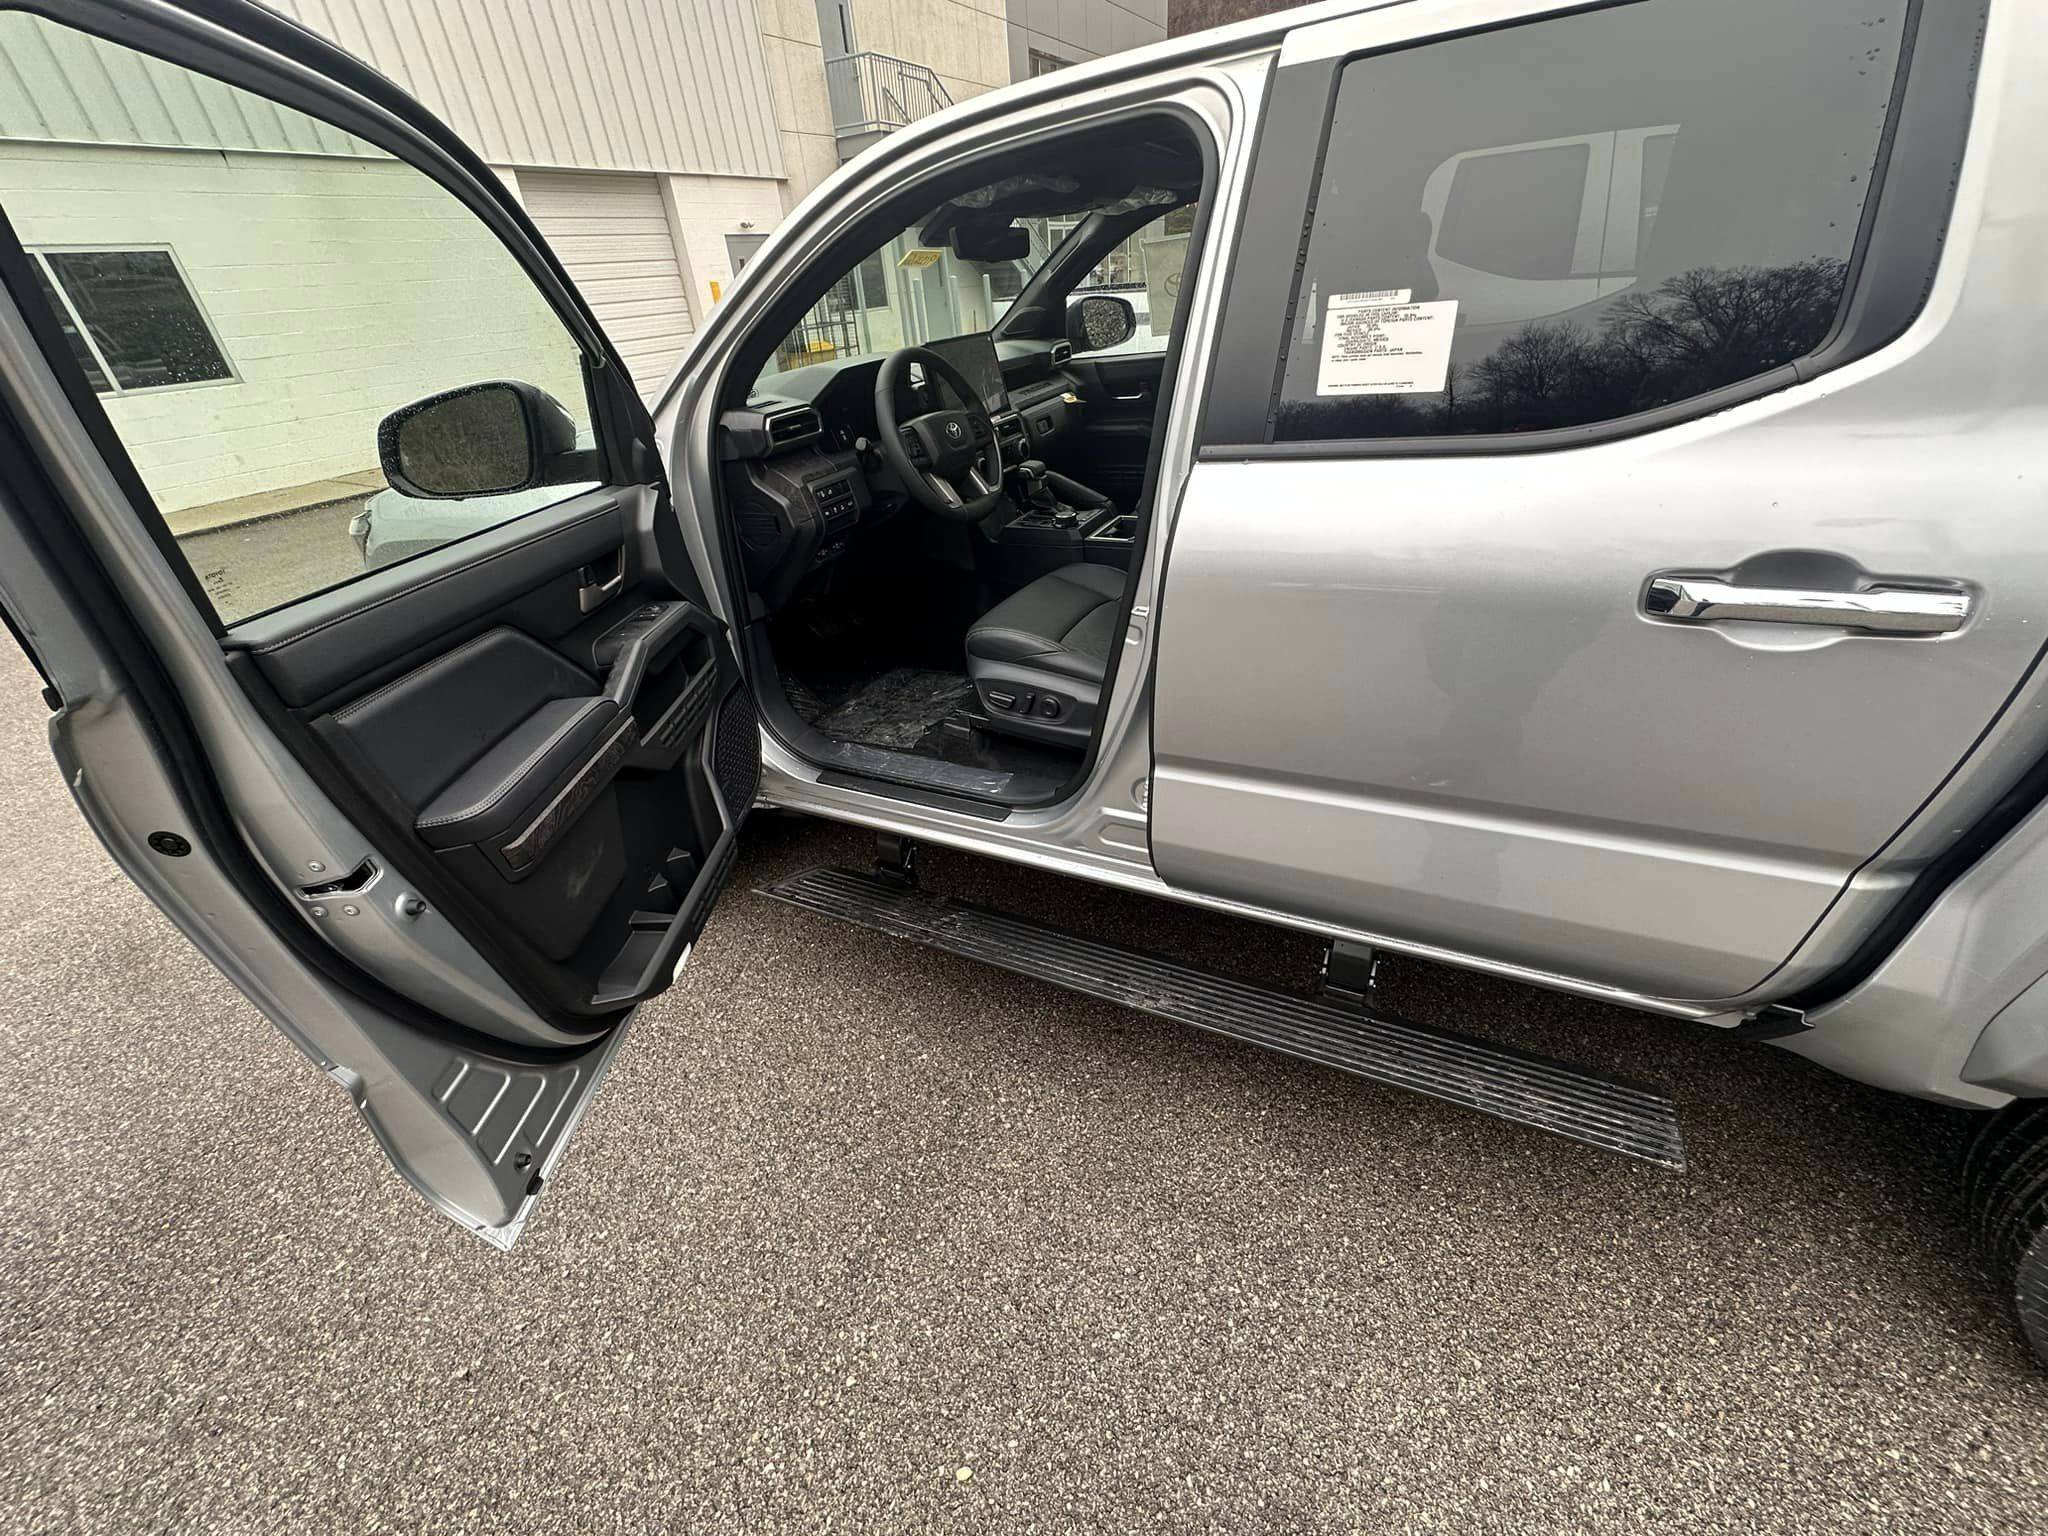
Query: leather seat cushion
[1064, 622]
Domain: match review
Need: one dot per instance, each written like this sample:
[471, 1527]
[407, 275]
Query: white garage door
[612, 233]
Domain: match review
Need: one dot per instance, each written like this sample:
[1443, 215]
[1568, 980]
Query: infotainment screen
[975, 357]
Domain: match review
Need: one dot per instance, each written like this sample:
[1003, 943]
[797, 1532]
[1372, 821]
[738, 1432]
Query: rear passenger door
[1613, 547]
[324, 441]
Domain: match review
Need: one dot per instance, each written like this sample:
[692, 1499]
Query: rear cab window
[1579, 219]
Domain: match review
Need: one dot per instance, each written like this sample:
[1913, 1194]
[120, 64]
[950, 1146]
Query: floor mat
[896, 709]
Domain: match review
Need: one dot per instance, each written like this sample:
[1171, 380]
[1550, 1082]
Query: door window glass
[1145, 271]
[1516, 211]
[250, 292]
[1582, 218]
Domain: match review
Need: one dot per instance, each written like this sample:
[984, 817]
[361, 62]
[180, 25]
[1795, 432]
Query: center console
[1063, 521]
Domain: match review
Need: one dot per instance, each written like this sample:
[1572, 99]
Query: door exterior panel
[1410, 686]
[1479, 741]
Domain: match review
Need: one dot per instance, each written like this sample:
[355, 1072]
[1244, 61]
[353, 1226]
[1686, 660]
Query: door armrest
[533, 783]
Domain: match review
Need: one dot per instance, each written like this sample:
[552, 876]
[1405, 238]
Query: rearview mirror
[987, 242]
[1100, 320]
[478, 440]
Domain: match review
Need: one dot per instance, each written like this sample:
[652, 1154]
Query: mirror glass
[470, 442]
[1099, 321]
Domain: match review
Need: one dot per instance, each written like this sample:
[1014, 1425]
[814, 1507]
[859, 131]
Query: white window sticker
[1380, 344]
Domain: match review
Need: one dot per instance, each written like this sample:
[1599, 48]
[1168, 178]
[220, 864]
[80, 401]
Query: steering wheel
[949, 461]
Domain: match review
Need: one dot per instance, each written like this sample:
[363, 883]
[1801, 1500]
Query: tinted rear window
[1578, 219]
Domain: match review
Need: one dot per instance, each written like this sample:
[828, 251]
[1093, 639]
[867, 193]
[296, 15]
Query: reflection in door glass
[249, 293]
[1516, 211]
[1585, 217]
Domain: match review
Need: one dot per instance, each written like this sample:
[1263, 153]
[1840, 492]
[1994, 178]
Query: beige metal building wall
[679, 86]
[612, 233]
[61, 86]
[615, 85]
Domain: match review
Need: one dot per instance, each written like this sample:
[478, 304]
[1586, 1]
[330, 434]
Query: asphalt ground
[860, 1237]
[249, 567]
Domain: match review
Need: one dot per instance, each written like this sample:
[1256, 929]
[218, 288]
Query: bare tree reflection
[1692, 333]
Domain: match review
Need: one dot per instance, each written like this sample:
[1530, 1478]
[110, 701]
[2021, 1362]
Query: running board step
[1510, 1085]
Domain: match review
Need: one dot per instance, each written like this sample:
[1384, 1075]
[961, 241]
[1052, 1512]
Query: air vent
[793, 426]
[1062, 353]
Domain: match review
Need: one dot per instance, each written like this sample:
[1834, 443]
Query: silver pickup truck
[1574, 512]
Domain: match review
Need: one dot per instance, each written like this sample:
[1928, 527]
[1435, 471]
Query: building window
[739, 250]
[131, 319]
[874, 282]
[1045, 63]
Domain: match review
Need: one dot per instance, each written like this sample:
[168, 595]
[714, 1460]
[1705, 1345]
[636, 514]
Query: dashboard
[802, 474]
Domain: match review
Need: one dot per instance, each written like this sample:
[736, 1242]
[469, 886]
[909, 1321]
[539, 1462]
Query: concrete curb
[266, 505]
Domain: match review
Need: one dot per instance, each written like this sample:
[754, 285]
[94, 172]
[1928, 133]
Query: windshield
[908, 293]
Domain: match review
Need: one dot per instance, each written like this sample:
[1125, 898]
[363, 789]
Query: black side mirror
[1100, 320]
[479, 440]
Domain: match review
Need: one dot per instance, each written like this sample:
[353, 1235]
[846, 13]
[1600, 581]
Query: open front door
[340, 534]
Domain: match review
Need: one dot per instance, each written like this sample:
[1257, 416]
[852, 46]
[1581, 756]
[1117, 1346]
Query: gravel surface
[864, 1238]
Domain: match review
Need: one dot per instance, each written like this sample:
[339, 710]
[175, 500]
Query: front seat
[1038, 657]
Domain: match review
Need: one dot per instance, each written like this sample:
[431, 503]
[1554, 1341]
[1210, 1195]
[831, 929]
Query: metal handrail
[876, 92]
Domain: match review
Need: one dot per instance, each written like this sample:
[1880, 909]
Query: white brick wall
[704, 210]
[340, 289]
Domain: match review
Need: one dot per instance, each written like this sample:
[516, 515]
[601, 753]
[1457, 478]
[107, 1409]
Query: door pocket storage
[576, 798]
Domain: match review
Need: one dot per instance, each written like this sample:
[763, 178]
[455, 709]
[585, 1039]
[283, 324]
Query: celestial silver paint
[1758, 869]
[1420, 695]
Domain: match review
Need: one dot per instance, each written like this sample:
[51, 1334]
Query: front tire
[2005, 1188]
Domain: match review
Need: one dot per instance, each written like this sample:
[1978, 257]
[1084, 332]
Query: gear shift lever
[1037, 494]
[1051, 497]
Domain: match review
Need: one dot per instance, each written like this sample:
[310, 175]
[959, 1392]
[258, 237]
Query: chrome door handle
[1877, 610]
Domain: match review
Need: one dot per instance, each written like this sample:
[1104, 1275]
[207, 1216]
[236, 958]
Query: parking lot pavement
[248, 567]
[864, 1238]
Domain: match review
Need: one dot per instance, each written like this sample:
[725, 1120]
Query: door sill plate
[1553, 1096]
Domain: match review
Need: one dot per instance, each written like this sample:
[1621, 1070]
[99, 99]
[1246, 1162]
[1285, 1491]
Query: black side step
[1512, 1085]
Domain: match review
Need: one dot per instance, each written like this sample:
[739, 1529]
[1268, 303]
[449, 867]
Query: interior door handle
[593, 593]
[1876, 610]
